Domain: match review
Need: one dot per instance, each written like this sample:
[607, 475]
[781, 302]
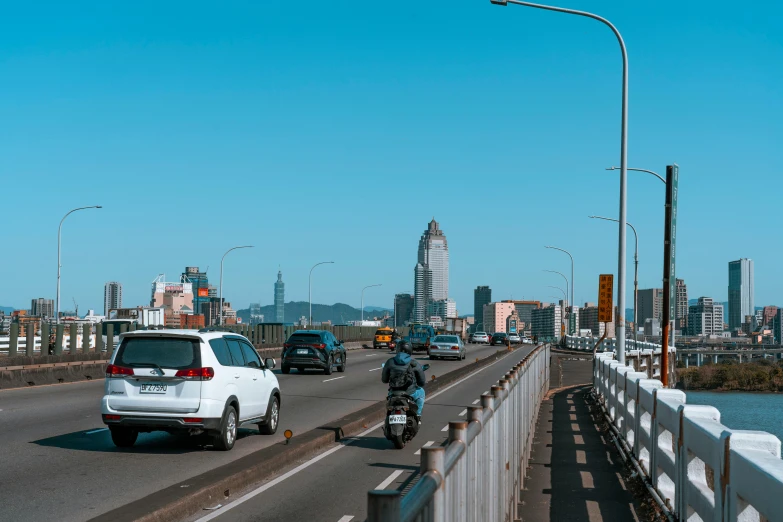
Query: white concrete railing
[700, 468]
[22, 344]
[479, 475]
[586, 344]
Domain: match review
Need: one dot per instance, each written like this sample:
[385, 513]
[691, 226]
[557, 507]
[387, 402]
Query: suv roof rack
[216, 329]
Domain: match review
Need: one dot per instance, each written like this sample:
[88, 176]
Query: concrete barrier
[700, 469]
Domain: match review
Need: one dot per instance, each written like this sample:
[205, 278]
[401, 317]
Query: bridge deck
[575, 471]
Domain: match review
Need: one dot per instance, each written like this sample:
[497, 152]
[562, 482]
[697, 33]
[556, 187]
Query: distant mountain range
[338, 313]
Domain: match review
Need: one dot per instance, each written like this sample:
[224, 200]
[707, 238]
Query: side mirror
[426, 367]
[269, 363]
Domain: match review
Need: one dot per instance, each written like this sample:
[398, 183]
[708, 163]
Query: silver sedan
[443, 346]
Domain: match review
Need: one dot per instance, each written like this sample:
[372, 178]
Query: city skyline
[79, 91]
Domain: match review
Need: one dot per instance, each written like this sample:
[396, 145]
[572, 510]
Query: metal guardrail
[477, 477]
[700, 469]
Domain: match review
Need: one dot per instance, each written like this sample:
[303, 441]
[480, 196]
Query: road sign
[605, 297]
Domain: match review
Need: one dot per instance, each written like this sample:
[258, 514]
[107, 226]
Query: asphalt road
[334, 488]
[58, 458]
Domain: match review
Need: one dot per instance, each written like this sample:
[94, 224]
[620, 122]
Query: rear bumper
[302, 362]
[446, 353]
[144, 423]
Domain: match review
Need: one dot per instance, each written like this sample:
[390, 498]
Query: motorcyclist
[403, 363]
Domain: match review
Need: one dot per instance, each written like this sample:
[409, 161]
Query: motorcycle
[401, 423]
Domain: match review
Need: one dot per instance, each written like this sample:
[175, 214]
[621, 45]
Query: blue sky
[337, 130]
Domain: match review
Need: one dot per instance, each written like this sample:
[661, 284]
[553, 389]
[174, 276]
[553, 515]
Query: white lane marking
[95, 431]
[463, 412]
[317, 458]
[334, 379]
[476, 401]
[426, 445]
[485, 393]
[376, 369]
[391, 478]
[369, 355]
[445, 428]
[346, 518]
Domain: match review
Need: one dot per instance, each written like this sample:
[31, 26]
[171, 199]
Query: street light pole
[310, 289]
[561, 275]
[59, 264]
[220, 317]
[363, 289]
[635, 276]
[572, 281]
[623, 162]
[565, 299]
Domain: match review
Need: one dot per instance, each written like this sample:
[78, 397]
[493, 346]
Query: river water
[744, 410]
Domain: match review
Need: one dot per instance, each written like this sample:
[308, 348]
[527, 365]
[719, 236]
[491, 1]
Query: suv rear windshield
[305, 339]
[383, 332]
[164, 352]
[500, 335]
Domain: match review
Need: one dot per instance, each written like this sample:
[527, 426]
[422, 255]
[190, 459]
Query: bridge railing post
[383, 505]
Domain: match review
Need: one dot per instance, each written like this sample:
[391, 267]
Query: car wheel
[224, 440]
[123, 437]
[432, 357]
[273, 417]
[329, 364]
[341, 367]
[286, 369]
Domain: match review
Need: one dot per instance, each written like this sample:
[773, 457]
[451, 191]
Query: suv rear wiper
[143, 364]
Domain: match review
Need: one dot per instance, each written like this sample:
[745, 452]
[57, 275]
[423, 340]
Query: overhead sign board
[605, 298]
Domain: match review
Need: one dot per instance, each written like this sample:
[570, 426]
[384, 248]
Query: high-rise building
[443, 308]
[546, 323]
[200, 285]
[421, 286]
[403, 309]
[431, 274]
[112, 296]
[279, 298]
[705, 317]
[777, 326]
[495, 315]
[588, 319]
[41, 307]
[681, 305]
[740, 292]
[525, 310]
[650, 302]
[256, 317]
[768, 314]
[481, 295]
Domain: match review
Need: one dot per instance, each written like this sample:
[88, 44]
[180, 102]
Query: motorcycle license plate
[397, 419]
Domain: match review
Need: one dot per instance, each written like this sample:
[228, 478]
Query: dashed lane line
[391, 478]
[335, 378]
[95, 431]
[426, 445]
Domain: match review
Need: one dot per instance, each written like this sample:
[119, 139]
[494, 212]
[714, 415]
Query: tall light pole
[561, 275]
[310, 289]
[565, 299]
[623, 161]
[635, 275]
[59, 263]
[662, 180]
[220, 319]
[573, 284]
[363, 289]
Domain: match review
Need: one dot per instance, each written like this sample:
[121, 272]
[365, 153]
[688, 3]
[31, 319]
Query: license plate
[397, 419]
[153, 388]
[303, 350]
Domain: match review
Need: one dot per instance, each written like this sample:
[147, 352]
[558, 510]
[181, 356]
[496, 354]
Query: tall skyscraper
[650, 304]
[112, 296]
[740, 292]
[705, 317]
[200, 283]
[403, 309]
[481, 295]
[279, 298]
[42, 307]
[431, 274]
[681, 305]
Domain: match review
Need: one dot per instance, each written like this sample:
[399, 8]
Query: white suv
[208, 381]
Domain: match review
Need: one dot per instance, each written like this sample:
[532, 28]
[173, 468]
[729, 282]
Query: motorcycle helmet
[405, 347]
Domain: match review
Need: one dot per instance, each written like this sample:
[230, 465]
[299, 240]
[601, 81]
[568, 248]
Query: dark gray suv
[317, 349]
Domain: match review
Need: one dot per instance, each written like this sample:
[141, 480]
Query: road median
[222, 484]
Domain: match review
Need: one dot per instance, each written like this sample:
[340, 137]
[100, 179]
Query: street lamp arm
[230, 249]
[220, 315]
[642, 170]
[59, 262]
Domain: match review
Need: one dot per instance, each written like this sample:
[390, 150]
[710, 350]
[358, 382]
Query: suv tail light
[321, 346]
[114, 371]
[286, 345]
[196, 374]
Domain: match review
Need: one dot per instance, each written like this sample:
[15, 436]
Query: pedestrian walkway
[575, 472]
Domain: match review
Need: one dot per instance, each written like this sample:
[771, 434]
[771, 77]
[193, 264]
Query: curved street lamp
[623, 160]
[572, 278]
[59, 264]
[220, 319]
[363, 289]
[635, 275]
[642, 170]
[310, 289]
